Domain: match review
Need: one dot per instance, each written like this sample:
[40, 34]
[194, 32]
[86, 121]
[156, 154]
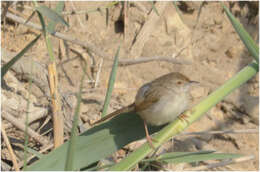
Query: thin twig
[222, 163]
[127, 62]
[48, 118]
[21, 126]
[10, 149]
[250, 131]
[74, 8]
[16, 12]
[35, 115]
[98, 73]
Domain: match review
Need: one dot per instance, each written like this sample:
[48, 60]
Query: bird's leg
[148, 137]
[184, 116]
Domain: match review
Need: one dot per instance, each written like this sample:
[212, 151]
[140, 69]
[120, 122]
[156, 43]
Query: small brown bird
[159, 101]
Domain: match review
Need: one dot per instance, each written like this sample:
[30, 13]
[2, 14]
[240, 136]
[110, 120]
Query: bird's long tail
[128, 108]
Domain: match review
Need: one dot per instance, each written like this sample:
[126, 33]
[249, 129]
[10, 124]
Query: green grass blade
[30, 17]
[244, 36]
[51, 14]
[51, 25]
[189, 157]
[9, 64]
[111, 83]
[46, 37]
[154, 8]
[42, 23]
[73, 140]
[26, 136]
[177, 10]
[37, 154]
[195, 113]
[172, 155]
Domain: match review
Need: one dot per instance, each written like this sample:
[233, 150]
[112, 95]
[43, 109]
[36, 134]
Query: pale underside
[166, 109]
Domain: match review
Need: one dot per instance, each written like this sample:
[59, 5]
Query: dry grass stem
[58, 125]
[42, 112]
[62, 49]
[98, 73]
[127, 62]
[5, 8]
[10, 149]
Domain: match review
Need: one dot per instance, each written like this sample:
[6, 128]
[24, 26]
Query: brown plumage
[159, 101]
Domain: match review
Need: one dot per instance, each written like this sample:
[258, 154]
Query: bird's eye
[179, 82]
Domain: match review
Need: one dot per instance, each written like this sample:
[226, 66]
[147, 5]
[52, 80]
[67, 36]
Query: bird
[159, 102]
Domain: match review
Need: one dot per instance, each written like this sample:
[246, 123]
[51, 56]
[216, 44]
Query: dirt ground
[200, 37]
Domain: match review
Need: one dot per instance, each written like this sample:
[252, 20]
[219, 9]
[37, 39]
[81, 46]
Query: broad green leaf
[52, 15]
[111, 83]
[244, 36]
[9, 64]
[97, 143]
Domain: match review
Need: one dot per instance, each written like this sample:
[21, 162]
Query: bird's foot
[183, 117]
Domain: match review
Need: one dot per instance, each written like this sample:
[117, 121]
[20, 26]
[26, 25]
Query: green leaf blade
[111, 83]
[73, 140]
[97, 143]
[252, 47]
[189, 157]
[51, 25]
[51, 14]
[9, 64]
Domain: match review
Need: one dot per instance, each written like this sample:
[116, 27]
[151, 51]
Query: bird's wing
[150, 97]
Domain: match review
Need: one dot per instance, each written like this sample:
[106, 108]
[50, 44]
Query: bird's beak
[194, 82]
[190, 84]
